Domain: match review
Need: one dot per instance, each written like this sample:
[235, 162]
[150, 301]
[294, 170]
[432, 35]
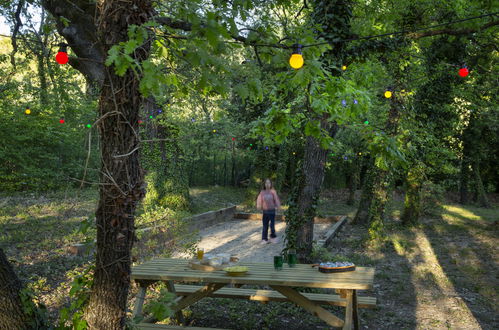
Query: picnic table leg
[139, 302]
[171, 288]
[198, 295]
[351, 313]
[308, 305]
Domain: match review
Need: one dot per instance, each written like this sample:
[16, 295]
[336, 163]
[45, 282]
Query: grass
[439, 274]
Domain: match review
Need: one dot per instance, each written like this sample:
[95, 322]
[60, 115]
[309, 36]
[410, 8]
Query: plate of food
[236, 270]
[335, 267]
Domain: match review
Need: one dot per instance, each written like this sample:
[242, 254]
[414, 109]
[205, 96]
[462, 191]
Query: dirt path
[242, 237]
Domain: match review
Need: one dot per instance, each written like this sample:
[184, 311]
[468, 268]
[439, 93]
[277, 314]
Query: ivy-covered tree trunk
[352, 182]
[412, 202]
[304, 199]
[12, 315]
[334, 17]
[480, 190]
[375, 190]
[122, 183]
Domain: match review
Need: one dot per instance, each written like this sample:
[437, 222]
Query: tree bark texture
[11, 311]
[412, 202]
[122, 183]
[480, 190]
[375, 190]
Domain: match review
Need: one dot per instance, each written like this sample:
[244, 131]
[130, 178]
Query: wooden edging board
[258, 216]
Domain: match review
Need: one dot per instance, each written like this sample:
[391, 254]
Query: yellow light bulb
[296, 61]
[344, 67]
[388, 94]
[214, 131]
[28, 111]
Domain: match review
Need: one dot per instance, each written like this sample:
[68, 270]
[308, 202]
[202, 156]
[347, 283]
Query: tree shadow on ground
[469, 264]
[396, 297]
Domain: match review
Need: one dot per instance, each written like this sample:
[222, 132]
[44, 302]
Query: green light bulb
[150, 117]
[366, 122]
[89, 126]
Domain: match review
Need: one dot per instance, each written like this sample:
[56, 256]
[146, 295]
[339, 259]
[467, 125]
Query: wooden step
[151, 326]
[270, 295]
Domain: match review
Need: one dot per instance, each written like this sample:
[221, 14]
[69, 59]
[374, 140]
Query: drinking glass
[200, 253]
[278, 262]
[292, 259]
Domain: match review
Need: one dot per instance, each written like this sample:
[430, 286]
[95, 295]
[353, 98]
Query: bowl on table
[236, 270]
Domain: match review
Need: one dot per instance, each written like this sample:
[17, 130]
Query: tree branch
[451, 31]
[17, 25]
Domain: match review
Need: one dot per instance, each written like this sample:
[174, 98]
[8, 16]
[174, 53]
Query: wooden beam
[198, 295]
[171, 288]
[308, 305]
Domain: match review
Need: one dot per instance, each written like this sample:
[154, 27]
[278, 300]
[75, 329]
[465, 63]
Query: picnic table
[283, 282]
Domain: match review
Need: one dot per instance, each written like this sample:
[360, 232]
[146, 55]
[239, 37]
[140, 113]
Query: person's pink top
[268, 200]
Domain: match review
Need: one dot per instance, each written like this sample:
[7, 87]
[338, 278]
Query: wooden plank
[198, 295]
[270, 295]
[139, 302]
[171, 288]
[248, 279]
[258, 281]
[334, 231]
[304, 269]
[351, 312]
[310, 306]
[282, 275]
[148, 326]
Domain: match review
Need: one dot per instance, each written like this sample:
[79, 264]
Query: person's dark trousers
[268, 216]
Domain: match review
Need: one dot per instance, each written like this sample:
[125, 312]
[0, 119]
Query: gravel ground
[243, 237]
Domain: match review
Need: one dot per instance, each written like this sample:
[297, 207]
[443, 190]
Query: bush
[432, 197]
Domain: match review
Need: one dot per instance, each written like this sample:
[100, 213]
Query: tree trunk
[122, 183]
[375, 191]
[353, 180]
[11, 309]
[463, 180]
[233, 170]
[43, 80]
[303, 200]
[480, 190]
[412, 203]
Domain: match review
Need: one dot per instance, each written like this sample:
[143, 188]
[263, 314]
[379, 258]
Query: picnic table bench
[283, 282]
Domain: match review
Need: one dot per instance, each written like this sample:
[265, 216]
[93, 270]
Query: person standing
[268, 202]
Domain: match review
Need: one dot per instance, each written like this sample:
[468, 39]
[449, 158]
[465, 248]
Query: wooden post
[171, 288]
[137, 310]
[351, 313]
[310, 306]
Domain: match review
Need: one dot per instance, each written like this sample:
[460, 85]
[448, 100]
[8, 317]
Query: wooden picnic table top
[164, 269]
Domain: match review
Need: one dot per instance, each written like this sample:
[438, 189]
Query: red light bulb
[61, 121]
[233, 139]
[463, 72]
[62, 57]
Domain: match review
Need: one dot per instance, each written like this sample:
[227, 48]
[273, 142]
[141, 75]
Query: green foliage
[35, 310]
[79, 298]
[161, 308]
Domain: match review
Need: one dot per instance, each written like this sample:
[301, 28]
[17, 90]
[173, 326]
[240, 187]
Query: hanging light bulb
[463, 72]
[343, 67]
[62, 54]
[89, 126]
[388, 94]
[296, 59]
[61, 121]
[28, 111]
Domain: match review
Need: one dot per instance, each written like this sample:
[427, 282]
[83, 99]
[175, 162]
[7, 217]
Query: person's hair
[271, 184]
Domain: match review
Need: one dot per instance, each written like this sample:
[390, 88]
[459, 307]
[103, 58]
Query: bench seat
[270, 295]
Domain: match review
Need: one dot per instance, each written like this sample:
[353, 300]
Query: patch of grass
[204, 199]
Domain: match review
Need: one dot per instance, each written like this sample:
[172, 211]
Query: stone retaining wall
[197, 222]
